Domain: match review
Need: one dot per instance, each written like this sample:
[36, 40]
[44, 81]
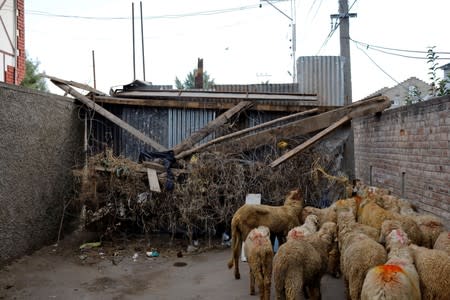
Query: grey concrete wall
[41, 137]
[407, 150]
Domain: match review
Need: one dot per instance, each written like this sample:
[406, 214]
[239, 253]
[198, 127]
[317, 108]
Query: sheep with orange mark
[359, 253]
[299, 264]
[433, 267]
[397, 278]
[308, 228]
[443, 242]
[279, 220]
[259, 253]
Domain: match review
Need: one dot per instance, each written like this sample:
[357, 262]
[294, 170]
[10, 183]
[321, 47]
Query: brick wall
[21, 41]
[10, 74]
[407, 150]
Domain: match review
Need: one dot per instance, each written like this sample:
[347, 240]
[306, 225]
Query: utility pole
[344, 25]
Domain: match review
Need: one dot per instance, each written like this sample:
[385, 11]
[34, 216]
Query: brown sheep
[259, 253]
[300, 264]
[373, 215]
[359, 253]
[327, 214]
[397, 278]
[279, 219]
[443, 242]
[433, 267]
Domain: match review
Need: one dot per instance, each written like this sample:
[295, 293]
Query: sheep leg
[252, 282]
[236, 245]
[294, 287]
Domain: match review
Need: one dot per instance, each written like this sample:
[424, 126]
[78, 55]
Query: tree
[32, 78]
[189, 82]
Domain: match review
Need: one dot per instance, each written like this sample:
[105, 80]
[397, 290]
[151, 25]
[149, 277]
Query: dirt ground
[123, 271]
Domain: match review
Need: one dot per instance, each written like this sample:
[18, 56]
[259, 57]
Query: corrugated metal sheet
[150, 121]
[281, 88]
[183, 122]
[324, 76]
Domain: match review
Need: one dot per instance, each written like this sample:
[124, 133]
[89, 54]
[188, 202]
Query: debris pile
[208, 189]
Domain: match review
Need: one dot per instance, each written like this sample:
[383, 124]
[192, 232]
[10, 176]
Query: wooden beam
[211, 127]
[113, 118]
[309, 142]
[292, 106]
[241, 132]
[304, 126]
[75, 84]
[180, 94]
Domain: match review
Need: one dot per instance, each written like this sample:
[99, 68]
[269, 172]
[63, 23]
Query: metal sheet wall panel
[324, 76]
[183, 122]
[150, 121]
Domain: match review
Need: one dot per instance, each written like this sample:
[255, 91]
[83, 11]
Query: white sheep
[308, 228]
[359, 253]
[299, 264]
[397, 278]
[259, 253]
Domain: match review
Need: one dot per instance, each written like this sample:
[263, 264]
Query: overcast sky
[240, 42]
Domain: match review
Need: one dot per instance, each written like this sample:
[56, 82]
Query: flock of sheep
[383, 248]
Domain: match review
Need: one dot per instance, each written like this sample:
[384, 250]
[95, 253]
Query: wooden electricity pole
[344, 25]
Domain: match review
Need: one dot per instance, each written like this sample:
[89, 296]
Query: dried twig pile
[115, 191]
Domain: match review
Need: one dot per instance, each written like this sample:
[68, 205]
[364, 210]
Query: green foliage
[433, 66]
[414, 95]
[439, 87]
[189, 81]
[32, 78]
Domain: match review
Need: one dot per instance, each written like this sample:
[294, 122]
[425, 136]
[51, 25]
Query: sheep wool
[258, 250]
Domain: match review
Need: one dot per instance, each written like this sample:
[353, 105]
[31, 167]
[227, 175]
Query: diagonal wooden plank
[75, 84]
[113, 118]
[309, 142]
[304, 126]
[246, 130]
[211, 127]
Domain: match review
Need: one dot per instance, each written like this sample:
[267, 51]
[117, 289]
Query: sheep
[433, 267]
[443, 242]
[359, 253]
[308, 228]
[259, 253]
[397, 278]
[279, 220]
[430, 226]
[327, 214]
[373, 215]
[299, 264]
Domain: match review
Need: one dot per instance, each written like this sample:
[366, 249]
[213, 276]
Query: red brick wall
[10, 74]
[407, 150]
[21, 41]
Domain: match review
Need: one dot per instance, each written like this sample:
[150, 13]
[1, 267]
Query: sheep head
[294, 198]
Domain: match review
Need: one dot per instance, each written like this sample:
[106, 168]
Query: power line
[330, 34]
[367, 46]
[167, 16]
[396, 49]
[378, 66]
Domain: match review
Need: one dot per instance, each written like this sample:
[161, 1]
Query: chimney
[199, 74]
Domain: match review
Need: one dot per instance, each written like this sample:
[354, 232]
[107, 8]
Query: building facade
[12, 41]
